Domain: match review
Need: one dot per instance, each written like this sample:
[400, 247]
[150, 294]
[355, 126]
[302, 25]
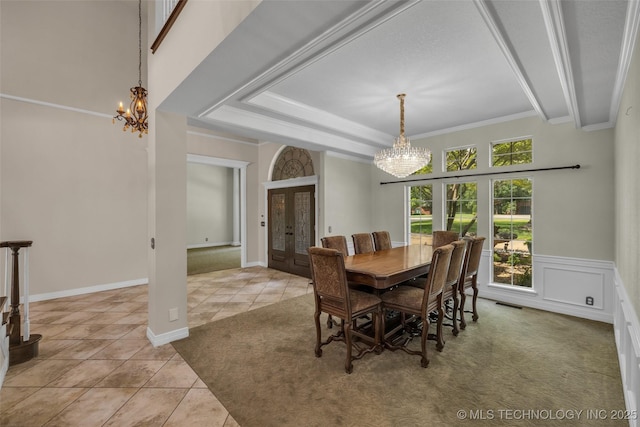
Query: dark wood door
[291, 228]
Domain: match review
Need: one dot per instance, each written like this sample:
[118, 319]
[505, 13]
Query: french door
[291, 228]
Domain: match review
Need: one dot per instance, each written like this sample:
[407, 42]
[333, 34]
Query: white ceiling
[325, 74]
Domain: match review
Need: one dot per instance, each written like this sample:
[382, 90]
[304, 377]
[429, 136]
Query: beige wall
[71, 181]
[209, 205]
[202, 142]
[345, 206]
[573, 209]
[627, 184]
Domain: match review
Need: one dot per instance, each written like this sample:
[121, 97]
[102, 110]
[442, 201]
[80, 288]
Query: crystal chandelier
[136, 116]
[402, 159]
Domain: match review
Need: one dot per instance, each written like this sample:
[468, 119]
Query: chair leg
[348, 366]
[454, 315]
[329, 322]
[475, 300]
[439, 335]
[378, 324]
[424, 361]
[316, 317]
[463, 299]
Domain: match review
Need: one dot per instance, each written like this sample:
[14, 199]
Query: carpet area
[513, 367]
[206, 260]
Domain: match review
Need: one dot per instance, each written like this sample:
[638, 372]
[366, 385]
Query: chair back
[336, 242]
[455, 265]
[437, 274]
[381, 240]
[475, 253]
[329, 281]
[443, 237]
[362, 243]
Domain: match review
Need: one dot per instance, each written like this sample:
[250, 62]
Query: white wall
[209, 205]
[627, 242]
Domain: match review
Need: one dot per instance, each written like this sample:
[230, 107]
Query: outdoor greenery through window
[461, 159]
[462, 208]
[420, 218]
[512, 232]
[512, 152]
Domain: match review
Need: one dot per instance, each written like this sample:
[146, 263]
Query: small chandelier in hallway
[402, 160]
[136, 116]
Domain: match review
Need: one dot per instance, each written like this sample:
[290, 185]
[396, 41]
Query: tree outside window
[513, 231]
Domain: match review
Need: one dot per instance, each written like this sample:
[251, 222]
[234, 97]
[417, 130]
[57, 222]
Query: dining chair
[420, 302]
[339, 243]
[469, 277]
[443, 237]
[450, 288]
[381, 240]
[336, 242]
[362, 243]
[333, 296]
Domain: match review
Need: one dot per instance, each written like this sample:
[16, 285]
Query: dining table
[381, 270]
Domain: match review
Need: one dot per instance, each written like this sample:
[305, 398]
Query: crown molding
[52, 105]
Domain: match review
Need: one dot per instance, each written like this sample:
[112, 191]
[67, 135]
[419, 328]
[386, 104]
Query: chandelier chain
[139, 42]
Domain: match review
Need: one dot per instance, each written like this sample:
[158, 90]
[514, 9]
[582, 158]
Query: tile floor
[97, 368]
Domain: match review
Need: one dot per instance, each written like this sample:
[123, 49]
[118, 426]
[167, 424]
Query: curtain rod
[482, 174]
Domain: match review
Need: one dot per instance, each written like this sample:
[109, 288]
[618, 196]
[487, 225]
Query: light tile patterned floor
[97, 368]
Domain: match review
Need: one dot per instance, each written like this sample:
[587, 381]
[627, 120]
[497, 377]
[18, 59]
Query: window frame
[459, 148]
[507, 140]
[445, 199]
[511, 286]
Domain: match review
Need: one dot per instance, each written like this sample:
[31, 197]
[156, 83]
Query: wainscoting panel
[573, 287]
[627, 333]
[560, 284]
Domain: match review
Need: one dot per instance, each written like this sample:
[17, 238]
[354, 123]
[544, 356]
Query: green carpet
[262, 368]
[206, 260]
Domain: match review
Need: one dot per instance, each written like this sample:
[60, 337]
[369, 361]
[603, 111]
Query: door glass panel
[277, 222]
[302, 209]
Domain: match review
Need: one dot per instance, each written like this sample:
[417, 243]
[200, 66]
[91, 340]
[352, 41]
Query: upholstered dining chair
[443, 237]
[362, 243]
[339, 243]
[336, 242]
[469, 277]
[333, 296]
[420, 302]
[381, 240]
[450, 288]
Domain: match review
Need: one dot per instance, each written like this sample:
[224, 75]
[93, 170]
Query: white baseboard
[87, 290]
[167, 337]
[626, 328]
[211, 245]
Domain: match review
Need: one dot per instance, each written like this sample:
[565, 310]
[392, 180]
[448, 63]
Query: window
[460, 159]
[461, 208]
[420, 219]
[512, 152]
[512, 232]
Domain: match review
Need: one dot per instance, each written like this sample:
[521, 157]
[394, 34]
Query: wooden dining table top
[384, 269]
